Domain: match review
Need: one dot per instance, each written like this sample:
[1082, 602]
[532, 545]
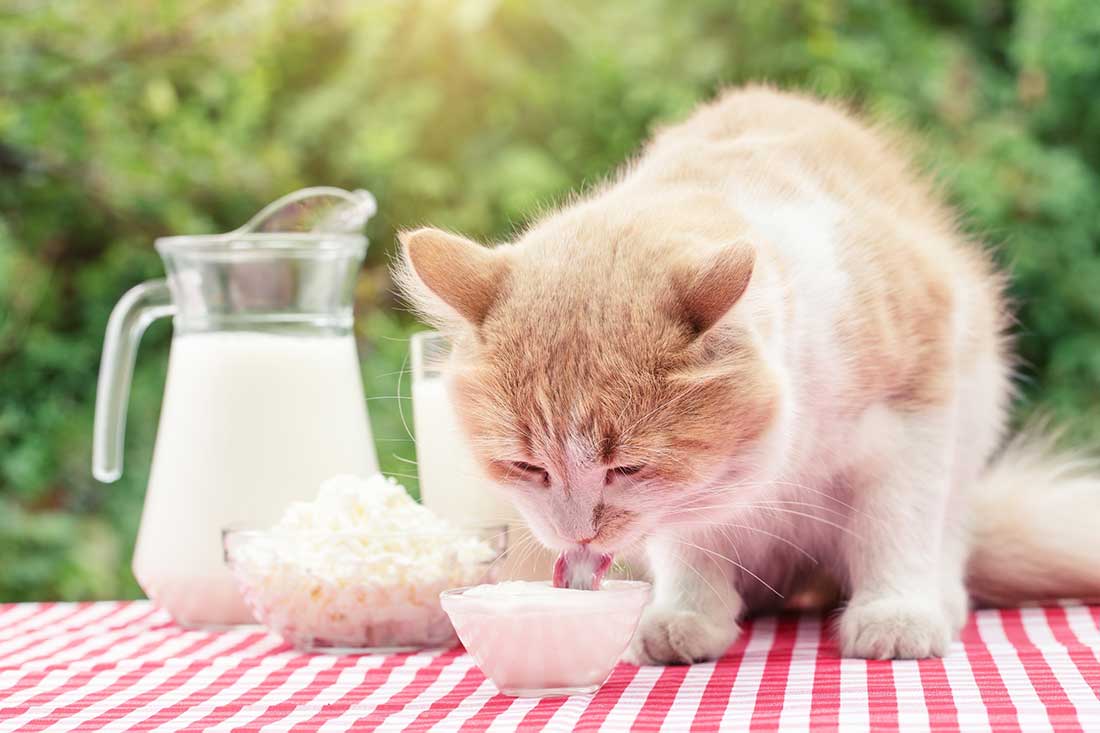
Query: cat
[765, 356]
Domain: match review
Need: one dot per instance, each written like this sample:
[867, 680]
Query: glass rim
[602, 597]
[429, 334]
[430, 350]
[471, 530]
[294, 242]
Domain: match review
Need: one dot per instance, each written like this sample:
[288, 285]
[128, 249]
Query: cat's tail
[1036, 531]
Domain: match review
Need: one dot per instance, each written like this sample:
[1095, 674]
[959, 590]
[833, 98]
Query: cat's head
[598, 371]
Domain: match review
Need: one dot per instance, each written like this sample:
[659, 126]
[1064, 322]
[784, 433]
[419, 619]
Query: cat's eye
[612, 473]
[530, 470]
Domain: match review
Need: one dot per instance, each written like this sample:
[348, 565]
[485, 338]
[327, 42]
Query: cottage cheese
[361, 566]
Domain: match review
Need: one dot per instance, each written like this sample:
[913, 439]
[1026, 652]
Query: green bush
[143, 119]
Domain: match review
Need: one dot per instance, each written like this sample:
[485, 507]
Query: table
[126, 666]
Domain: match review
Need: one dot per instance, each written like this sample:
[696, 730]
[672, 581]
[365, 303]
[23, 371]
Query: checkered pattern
[126, 666]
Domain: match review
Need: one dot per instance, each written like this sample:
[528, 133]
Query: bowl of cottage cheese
[359, 569]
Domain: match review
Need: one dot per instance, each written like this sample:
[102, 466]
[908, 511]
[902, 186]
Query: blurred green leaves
[143, 119]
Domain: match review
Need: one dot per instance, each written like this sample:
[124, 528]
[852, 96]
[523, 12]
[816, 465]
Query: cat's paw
[894, 628]
[675, 636]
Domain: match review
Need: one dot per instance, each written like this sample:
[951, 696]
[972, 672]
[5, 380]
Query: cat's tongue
[580, 568]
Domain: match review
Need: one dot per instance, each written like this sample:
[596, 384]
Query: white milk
[454, 487]
[250, 422]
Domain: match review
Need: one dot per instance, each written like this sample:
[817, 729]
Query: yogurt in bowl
[359, 569]
[535, 640]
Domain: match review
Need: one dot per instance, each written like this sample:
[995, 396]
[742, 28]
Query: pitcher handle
[140, 306]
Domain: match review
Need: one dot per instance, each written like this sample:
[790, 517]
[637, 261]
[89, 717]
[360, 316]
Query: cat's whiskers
[523, 551]
[795, 502]
[519, 552]
[701, 577]
[772, 507]
[400, 403]
[751, 528]
[395, 373]
[731, 561]
[735, 546]
[800, 486]
[396, 474]
[724, 491]
[819, 492]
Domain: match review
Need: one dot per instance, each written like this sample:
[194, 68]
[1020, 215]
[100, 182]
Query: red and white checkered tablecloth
[126, 666]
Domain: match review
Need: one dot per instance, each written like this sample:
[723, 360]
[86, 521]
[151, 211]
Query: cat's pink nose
[586, 540]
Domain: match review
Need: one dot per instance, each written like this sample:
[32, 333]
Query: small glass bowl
[532, 647]
[355, 593]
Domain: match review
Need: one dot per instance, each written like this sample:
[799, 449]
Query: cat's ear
[444, 274]
[708, 287]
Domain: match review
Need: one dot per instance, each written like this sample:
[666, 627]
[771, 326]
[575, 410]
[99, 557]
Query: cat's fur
[775, 327]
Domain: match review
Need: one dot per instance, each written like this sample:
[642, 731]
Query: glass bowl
[355, 592]
[542, 645]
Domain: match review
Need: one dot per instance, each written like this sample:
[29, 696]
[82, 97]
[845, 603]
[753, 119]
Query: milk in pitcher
[250, 423]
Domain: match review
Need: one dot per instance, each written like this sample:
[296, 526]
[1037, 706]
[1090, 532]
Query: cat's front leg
[693, 615]
[904, 590]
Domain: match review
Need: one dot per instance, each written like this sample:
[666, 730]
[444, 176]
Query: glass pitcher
[263, 399]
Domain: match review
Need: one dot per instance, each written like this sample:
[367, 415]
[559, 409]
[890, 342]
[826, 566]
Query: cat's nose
[580, 536]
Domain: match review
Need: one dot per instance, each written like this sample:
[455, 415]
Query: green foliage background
[142, 119]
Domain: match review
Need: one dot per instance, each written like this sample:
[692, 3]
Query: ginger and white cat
[764, 354]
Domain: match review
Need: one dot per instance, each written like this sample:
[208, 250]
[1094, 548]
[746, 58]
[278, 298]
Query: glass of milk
[452, 483]
[263, 399]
